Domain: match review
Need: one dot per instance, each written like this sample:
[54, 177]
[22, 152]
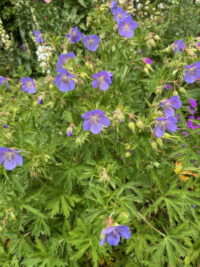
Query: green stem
[150, 224]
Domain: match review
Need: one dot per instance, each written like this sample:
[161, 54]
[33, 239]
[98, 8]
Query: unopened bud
[127, 146]
[131, 125]
[146, 70]
[156, 37]
[151, 42]
[175, 93]
[182, 90]
[158, 90]
[154, 145]
[159, 142]
[140, 124]
[127, 154]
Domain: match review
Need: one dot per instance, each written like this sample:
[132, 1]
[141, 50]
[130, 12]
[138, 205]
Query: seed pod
[131, 125]
[140, 124]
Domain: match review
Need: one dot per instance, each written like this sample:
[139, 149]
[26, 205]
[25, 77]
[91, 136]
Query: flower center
[115, 234]
[101, 79]
[29, 84]
[192, 70]
[162, 125]
[119, 16]
[65, 78]
[90, 41]
[126, 27]
[95, 119]
[74, 34]
[9, 156]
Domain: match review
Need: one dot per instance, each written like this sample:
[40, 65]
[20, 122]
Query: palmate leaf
[168, 250]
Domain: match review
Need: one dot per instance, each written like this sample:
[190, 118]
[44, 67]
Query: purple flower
[102, 80]
[185, 133]
[10, 158]
[64, 80]
[40, 101]
[178, 46]
[191, 110]
[178, 116]
[5, 126]
[190, 124]
[148, 61]
[119, 14]
[113, 6]
[63, 58]
[38, 36]
[69, 131]
[94, 121]
[112, 234]
[22, 47]
[194, 206]
[4, 80]
[167, 86]
[192, 72]
[170, 104]
[75, 35]
[91, 42]
[193, 103]
[168, 123]
[28, 84]
[126, 27]
[139, 51]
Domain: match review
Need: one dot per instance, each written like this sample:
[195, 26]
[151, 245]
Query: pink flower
[47, 1]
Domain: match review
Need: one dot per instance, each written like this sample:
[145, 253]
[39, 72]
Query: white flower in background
[139, 6]
[161, 6]
[43, 54]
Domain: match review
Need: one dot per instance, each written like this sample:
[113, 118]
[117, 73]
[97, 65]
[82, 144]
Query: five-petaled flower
[165, 123]
[148, 60]
[126, 27]
[112, 234]
[38, 36]
[75, 35]
[192, 72]
[10, 158]
[91, 42]
[63, 58]
[3, 80]
[93, 121]
[102, 79]
[28, 85]
[193, 103]
[170, 104]
[64, 80]
[113, 6]
[178, 46]
[119, 14]
[167, 86]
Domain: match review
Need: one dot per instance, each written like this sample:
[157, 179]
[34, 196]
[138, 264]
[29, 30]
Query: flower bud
[154, 145]
[159, 142]
[175, 93]
[140, 124]
[182, 90]
[146, 70]
[127, 154]
[156, 37]
[127, 146]
[131, 125]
